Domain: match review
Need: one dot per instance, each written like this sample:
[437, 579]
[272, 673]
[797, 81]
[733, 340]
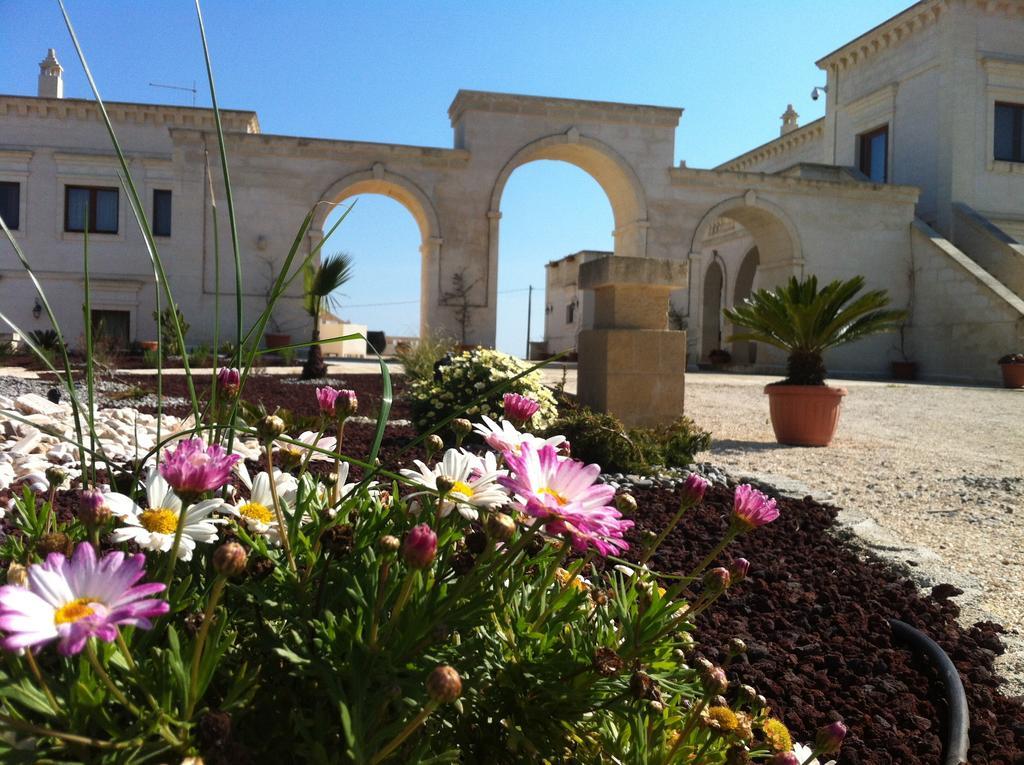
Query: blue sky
[387, 72]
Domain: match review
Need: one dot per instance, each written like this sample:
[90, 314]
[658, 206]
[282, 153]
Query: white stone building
[914, 179]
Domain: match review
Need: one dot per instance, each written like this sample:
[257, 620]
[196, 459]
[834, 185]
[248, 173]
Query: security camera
[817, 91]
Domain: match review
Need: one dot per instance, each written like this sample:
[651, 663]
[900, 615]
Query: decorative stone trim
[886, 35]
[119, 111]
[812, 131]
[601, 111]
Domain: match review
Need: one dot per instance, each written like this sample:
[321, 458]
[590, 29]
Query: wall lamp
[37, 309]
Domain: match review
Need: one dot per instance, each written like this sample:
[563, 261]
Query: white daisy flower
[294, 454]
[257, 512]
[803, 752]
[504, 437]
[474, 481]
[153, 528]
[345, 488]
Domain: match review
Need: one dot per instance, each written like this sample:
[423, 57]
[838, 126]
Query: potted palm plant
[804, 322]
[320, 284]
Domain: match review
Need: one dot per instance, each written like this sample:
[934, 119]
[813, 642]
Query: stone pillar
[631, 364]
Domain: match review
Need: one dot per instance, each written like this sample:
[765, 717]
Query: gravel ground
[939, 465]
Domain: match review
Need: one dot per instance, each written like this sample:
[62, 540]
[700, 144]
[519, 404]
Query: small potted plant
[719, 357]
[804, 322]
[904, 369]
[1012, 365]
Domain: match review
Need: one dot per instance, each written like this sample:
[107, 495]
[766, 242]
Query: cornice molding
[139, 114]
[777, 147]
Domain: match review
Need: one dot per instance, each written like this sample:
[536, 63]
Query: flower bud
[346, 404]
[748, 691]
[56, 542]
[500, 527]
[655, 707]
[519, 409]
[17, 575]
[565, 449]
[784, 758]
[715, 680]
[92, 508]
[433, 444]
[419, 547]
[462, 427]
[444, 684]
[444, 484]
[389, 544]
[229, 559]
[739, 569]
[229, 380]
[694, 488]
[737, 647]
[626, 503]
[642, 685]
[830, 737]
[55, 476]
[269, 427]
[716, 580]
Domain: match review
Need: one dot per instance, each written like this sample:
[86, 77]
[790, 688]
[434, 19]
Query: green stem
[39, 730]
[90, 652]
[173, 556]
[39, 679]
[309, 452]
[197, 650]
[403, 595]
[407, 731]
[653, 547]
[385, 568]
[282, 526]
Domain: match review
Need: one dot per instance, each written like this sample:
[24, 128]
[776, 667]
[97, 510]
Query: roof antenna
[192, 90]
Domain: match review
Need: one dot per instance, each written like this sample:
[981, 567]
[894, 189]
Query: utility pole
[529, 308]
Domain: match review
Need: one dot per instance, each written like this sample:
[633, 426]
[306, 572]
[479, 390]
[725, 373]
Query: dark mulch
[286, 392]
[813, 614]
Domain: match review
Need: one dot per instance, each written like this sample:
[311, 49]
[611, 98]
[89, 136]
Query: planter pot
[274, 340]
[1013, 375]
[148, 345]
[904, 370]
[804, 415]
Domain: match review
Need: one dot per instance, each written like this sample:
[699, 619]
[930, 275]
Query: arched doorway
[763, 248]
[711, 323]
[745, 353]
[392, 231]
[617, 181]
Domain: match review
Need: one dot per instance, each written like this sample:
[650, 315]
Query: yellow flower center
[73, 611]
[463, 488]
[254, 511]
[561, 500]
[159, 520]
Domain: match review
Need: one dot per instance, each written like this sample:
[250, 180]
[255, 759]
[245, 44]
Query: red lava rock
[813, 612]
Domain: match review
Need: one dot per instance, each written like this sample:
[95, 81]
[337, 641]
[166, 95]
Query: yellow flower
[777, 735]
[562, 576]
[721, 718]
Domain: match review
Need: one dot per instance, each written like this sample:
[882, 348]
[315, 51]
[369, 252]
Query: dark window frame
[13, 223]
[864, 158]
[1017, 134]
[91, 225]
[570, 313]
[159, 230]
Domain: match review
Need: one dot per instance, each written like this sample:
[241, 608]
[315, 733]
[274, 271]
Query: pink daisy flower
[326, 398]
[74, 600]
[193, 467]
[519, 409]
[564, 495]
[751, 508]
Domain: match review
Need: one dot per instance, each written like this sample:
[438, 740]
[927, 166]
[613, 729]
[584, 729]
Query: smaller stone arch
[713, 291]
[745, 352]
[776, 236]
[379, 180]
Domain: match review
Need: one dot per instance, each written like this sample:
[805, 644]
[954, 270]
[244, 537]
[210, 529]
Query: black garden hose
[958, 720]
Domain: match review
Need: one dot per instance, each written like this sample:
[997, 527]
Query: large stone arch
[776, 236]
[407, 193]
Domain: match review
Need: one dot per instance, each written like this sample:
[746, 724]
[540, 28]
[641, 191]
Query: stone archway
[404, 191]
[711, 319]
[745, 353]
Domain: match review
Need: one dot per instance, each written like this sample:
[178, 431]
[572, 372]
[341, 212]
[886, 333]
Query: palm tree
[320, 284]
[805, 322]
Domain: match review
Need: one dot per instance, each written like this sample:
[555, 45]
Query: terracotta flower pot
[274, 340]
[1013, 375]
[904, 370]
[148, 345]
[804, 415]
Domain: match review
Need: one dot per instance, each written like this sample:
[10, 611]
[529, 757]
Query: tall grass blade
[135, 201]
[87, 323]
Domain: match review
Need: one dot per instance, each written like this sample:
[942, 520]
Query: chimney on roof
[789, 120]
[51, 78]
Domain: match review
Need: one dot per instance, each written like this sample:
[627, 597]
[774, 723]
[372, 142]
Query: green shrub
[47, 339]
[168, 338]
[603, 439]
[418, 359]
[470, 374]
